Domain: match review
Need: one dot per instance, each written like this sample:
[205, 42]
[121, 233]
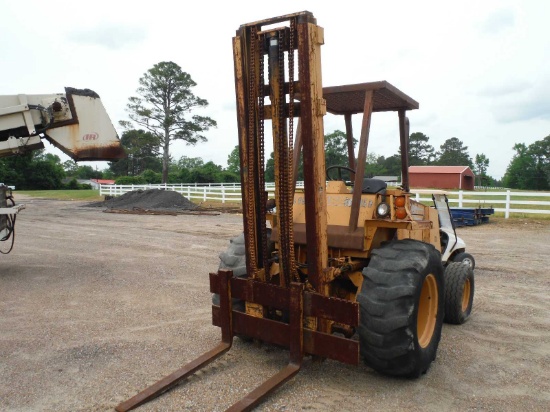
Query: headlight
[382, 209]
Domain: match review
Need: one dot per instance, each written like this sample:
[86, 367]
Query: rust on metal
[310, 39]
[294, 295]
[404, 140]
[349, 141]
[90, 152]
[315, 343]
[176, 377]
[350, 98]
[57, 106]
[295, 337]
[303, 16]
[81, 92]
[280, 333]
[113, 151]
[361, 159]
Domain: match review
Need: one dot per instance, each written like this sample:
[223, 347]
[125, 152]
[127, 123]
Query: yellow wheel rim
[466, 295]
[427, 311]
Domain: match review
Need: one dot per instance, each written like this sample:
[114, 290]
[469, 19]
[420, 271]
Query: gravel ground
[96, 306]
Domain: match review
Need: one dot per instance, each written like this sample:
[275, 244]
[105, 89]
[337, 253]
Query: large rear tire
[234, 258]
[401, 308]
[459, 293]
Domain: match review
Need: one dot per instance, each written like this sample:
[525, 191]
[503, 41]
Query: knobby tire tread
[456, 274]
[388, 302]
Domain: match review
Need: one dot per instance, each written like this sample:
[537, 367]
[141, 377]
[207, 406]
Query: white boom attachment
[75, 121]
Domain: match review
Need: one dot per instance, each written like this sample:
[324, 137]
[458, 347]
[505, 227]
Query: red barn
[441, 177]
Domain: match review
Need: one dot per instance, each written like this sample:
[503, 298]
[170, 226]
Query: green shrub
[151, 176]
[130, 180]
[74, 185]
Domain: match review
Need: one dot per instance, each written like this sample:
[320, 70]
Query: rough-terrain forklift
[334, 271]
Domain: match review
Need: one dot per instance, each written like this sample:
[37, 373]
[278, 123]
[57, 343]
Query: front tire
[465, 258]
[401, 308]
[459, 293]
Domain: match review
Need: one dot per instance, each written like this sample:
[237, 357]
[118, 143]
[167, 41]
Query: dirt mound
[151, 199]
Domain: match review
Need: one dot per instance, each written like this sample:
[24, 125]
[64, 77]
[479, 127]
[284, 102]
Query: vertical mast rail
[313, 108]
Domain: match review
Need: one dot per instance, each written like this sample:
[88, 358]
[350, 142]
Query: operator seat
[374, 186]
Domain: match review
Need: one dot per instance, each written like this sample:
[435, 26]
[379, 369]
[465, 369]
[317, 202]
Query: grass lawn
[91, 195]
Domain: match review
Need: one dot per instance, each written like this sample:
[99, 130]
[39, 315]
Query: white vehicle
[75, 122]
[459, 265]
[453, 248]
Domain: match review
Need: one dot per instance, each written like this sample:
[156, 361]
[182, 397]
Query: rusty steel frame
[368, 98]
[176, 377]
[292, 299]
[298, 302]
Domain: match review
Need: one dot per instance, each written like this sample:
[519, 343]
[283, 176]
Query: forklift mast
[265, 58]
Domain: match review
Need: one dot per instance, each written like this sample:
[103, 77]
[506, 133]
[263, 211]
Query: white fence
[231, 192]
[224, 192]
[465, 199]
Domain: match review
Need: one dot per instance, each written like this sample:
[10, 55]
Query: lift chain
[286, 178]
[281, 147]
[252, 84]
[292, 183]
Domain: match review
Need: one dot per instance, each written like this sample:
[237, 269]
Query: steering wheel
[339, 168]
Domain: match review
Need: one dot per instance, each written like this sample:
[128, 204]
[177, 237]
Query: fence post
[417, 197]
[507, 212]
[223, 194]
[204, 193]
[460, 198]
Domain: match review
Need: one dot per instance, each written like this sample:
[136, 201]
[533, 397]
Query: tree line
[164, 111]
[530, 167]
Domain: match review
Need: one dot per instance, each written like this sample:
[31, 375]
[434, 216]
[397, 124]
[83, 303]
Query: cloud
[109, 35]
[424, 118]
[498, 21]
[519, 101]
[499, 90]
[527, 110]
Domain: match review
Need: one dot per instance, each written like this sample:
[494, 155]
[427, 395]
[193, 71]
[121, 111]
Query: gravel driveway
[96, 306]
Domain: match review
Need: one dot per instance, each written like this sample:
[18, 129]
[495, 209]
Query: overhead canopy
[351, 98]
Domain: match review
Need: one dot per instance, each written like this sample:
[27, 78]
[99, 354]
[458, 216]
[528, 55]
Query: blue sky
[480, 70]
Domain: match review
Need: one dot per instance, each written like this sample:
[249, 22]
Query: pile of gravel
[151, 199]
